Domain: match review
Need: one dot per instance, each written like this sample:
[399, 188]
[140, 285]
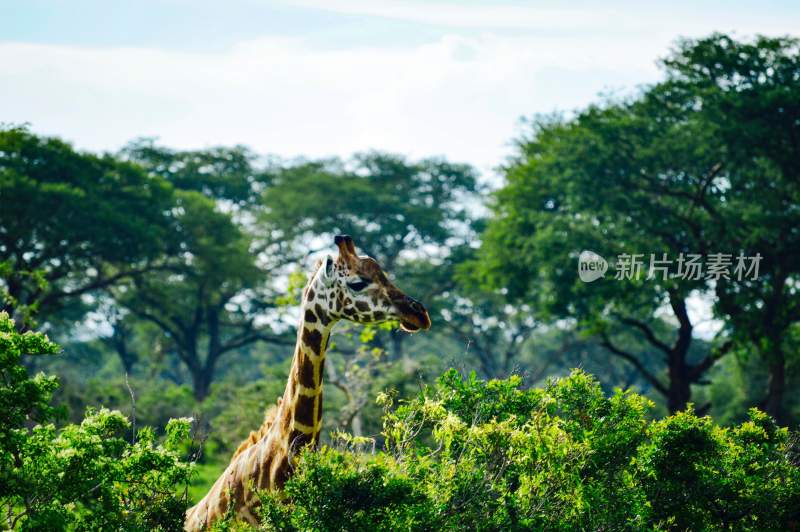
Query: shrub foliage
[477, 455]
[87, 476]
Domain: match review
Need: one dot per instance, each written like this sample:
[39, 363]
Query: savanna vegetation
[149, 302]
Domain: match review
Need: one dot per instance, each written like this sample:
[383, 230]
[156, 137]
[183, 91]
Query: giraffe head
[359, 291]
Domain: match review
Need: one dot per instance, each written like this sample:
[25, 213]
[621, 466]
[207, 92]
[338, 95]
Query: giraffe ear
[327, 268]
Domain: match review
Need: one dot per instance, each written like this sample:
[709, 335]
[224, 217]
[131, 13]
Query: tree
[748, 93]
[207, 302]
[221, 173]
[616, 179]
[390, 203]
[72, 223]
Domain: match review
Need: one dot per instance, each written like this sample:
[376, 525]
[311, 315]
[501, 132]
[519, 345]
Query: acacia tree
[221, 173]
[390, 203]
[72, 223]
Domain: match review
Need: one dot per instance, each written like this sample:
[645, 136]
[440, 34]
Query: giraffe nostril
[415, 306]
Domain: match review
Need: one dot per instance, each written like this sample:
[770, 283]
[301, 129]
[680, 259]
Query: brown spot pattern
[279, 473]
[305, 375]
[223, 501]
[286, 420]
[257, 472]
[319, 413]
[323, 316]
[312, 339]
[298, 439]
[310, 317]
[238, 495]
[304, 410]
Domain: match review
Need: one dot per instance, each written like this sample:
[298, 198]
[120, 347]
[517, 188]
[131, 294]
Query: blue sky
[319, 78]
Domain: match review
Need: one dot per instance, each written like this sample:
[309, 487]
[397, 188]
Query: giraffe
[351, 287]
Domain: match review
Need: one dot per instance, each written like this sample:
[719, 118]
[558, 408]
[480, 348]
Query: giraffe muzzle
[413, 316]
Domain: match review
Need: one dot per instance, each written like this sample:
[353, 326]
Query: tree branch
[684, 340]
[696, 371]
[98, 283]
[161, 323]
[606, 342]
[647, 331]
[256, 336]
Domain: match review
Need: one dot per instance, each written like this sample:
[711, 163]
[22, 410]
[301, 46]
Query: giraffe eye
[358, 285]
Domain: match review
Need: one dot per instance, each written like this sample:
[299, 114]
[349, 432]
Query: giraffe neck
[302, 400]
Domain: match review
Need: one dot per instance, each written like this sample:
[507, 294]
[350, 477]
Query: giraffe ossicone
[350, 287]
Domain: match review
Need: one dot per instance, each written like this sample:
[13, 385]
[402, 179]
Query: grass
[204, 477]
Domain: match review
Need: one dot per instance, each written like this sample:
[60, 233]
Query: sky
[321, 78]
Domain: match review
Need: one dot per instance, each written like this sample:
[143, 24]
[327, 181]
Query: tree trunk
[776, 385]
[678, 391]
[202, 373]
[680, 386]
[356, 425]
[680, 380]
[775, 325]
[118, 341]
[201, 384]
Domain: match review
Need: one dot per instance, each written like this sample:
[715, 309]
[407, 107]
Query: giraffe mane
[256, 435]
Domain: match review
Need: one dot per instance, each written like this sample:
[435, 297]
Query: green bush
[463, 454]
[81, 477]
[349, 494]
[476, 455]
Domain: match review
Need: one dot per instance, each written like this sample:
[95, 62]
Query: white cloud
[457, 96]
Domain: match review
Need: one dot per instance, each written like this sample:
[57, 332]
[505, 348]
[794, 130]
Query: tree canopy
[73, 222]
[390, 203]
